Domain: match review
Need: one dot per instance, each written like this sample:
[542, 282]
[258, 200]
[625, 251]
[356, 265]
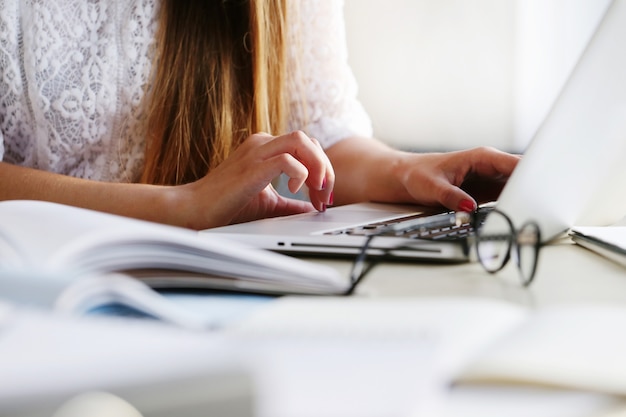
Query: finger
[321, 199]
[487, 172]
[253, 142]
[290, 206]
[305, 150]
[454, 198]
[269, 203]
[324, 197]
[321, 176]
[490, 162]
[308, 151]
[297, 173]
[291, 167]
[260, 173]
[484, 189]
[325, 194]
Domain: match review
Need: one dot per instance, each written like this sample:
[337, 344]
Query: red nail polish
[323, 184]
[331, 198]
[467, 206]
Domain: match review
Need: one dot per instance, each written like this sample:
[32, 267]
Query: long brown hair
[219, 77]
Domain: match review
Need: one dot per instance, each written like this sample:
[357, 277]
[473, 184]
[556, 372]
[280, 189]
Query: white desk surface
[567, 274]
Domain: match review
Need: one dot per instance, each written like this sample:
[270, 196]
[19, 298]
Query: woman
[184, 112]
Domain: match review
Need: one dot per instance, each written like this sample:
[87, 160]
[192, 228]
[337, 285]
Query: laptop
[572, 173]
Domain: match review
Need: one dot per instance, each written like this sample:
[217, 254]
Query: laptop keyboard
[451, 232]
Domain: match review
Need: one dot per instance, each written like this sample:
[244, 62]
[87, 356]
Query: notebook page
[580, 347]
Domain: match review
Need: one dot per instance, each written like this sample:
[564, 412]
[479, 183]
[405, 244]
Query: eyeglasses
[495, 238]
[497, 241]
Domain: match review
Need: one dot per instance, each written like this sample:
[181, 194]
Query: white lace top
[73, 74]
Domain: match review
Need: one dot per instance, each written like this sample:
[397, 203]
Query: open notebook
[568, 175]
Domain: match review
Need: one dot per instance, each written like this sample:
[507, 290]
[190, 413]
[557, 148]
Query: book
[576, 347]
[412, 351]
[43, 238]
[607, 241]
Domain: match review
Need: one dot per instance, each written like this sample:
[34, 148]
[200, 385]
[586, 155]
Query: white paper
[46, 359]
[52, 238]
[317, 357]
[576, 347]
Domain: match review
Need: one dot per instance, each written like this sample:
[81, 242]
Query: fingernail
[323, 184]
[467, 206]
[323, 208]
[331, 198]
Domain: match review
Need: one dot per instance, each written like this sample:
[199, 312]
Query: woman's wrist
[186, 206]
[369, 170]
[400, 164]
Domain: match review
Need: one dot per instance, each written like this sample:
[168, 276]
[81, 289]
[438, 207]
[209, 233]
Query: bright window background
[453, 74]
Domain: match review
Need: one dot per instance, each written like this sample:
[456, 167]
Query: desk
[567, 274]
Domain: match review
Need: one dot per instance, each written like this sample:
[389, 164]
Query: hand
[240, 188]
[457, 180]
[369, 170]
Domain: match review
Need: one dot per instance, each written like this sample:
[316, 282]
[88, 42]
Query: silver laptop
[572, 173]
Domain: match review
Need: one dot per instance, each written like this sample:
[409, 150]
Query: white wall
[451, 74]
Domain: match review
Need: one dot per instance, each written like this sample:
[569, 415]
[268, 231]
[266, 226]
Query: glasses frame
[517, 239]
[360, 267]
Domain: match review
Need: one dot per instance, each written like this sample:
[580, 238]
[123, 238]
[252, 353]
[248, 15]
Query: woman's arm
[368, 170]
[133, 200]
[238, 190]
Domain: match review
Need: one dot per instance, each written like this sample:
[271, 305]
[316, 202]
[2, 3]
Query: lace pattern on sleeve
[328, 88]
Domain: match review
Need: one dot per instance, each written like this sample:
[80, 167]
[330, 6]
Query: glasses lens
[493, 241]
[528, 240]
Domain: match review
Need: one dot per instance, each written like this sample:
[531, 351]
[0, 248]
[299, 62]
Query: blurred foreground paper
[47, 360]
[356, 357]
